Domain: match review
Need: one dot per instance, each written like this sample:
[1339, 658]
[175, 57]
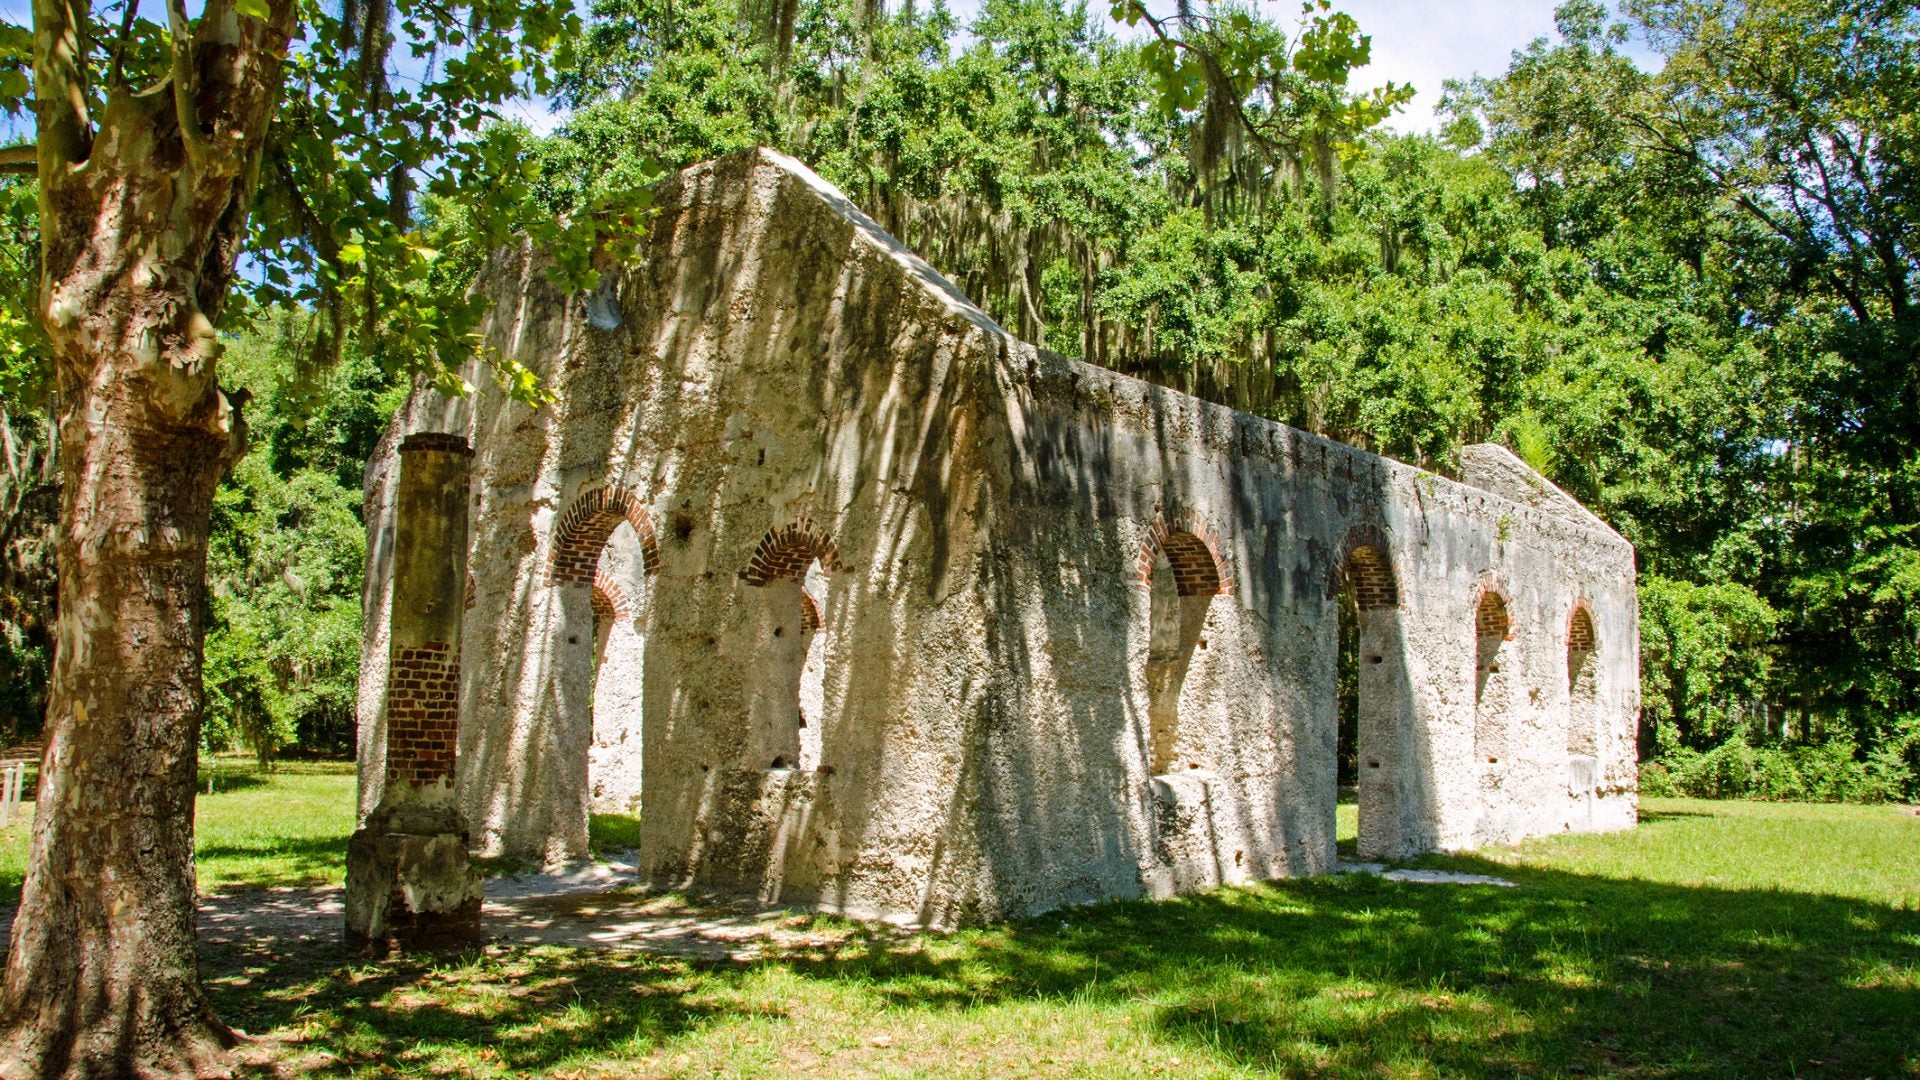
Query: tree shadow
[1336, 975]
[271, 861]
[550, 1005]
[1649, 817]
[226, 780]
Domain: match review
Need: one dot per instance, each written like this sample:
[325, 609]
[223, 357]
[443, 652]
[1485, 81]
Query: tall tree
[151, 144]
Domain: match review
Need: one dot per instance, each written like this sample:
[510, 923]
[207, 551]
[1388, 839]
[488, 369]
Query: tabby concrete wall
[1063, 635]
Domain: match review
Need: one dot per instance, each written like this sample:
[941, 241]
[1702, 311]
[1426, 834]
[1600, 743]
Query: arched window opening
[786, 690]
[1367, 689]
[1492, 683]
[1582, 688]
[609, 609]
[813, 668]
[589, 522]
[604, 545]
[1182, 572]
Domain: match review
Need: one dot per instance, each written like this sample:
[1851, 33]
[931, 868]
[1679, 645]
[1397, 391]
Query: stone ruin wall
[1057, 634]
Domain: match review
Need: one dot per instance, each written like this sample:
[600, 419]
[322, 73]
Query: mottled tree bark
[140, 219]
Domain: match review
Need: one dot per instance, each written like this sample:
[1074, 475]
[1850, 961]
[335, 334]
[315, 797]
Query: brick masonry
[1580, 630]
[423, 714]
[583, 532]
[1490, 617]
[1367, 567]
[437, 440]
[609, 599]
[1192, 549]
[786, 552]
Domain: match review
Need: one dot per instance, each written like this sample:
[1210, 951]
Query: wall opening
[1182, 573]
[1366, 746]
[1582, 688]
[604, 545]
[1492, 688]
[786, 685]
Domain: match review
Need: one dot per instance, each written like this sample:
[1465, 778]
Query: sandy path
[592, 906]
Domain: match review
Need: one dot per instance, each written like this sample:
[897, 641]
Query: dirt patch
[589, 906]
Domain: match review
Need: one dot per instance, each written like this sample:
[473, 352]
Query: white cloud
[1422, 42]
[1427, 43]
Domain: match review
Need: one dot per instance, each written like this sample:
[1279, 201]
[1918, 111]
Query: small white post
[6, 794]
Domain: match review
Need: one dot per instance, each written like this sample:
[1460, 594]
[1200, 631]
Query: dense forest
[1685, 295]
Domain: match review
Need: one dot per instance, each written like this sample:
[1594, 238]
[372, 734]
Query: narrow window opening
[1492, 691]
[1582, 674]
[1182, 584]
[1367, 691]
[786, 689]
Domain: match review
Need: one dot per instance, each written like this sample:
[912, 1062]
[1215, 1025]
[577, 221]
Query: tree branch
[116, 74]
[19, 160]
[60, 83]
[186, 80]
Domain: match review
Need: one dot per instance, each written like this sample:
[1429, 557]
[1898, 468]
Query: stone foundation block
[410, 885]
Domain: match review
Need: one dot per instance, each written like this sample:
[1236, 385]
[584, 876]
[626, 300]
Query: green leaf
[255, 8]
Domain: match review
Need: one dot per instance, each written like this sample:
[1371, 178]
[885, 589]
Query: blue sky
[1418, 41]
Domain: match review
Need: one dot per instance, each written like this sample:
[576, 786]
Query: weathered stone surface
[409, 881]
[410, 885]
[1074, 636]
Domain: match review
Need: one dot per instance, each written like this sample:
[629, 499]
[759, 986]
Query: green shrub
[1826, 772]
[1656, 780]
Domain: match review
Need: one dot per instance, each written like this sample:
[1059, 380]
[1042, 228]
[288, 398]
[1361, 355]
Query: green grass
[610, 833]
[1718, 939]
[288, 826]
[285, 827]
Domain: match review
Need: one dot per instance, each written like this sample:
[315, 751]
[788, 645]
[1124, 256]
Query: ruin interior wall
[1071, 636]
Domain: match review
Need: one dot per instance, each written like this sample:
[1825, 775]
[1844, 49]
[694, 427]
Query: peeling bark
[140, 222]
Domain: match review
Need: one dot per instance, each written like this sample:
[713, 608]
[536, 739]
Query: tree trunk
[140, 224]
[102, 977]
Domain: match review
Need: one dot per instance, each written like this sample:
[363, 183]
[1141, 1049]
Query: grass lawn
[285, 827]
[1718, 939]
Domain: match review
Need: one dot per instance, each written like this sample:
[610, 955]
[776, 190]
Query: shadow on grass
[271, 861]
[226, 780]
[1345, 975]
[1648, 817]
[520, 1015]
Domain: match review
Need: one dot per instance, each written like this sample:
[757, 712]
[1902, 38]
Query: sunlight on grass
[1692, 945]
[609, 833]
[1862, 852]
[284, 827]
[288, 826]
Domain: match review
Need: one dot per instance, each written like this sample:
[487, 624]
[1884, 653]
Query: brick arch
[1191, 549]
[1366, 564]
[810, 618]
[1492, 611]
[609, 599]
[584, 528]
[784, 553]
[1580, 634]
